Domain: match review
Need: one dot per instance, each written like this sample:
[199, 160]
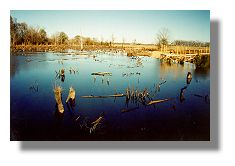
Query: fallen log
[198, 95]
[157, 101]
[102, 73]
[182, 98]
[127, 110]
[106, 96]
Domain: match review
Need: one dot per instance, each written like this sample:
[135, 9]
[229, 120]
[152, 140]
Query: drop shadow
[212, 145]
[215, 84]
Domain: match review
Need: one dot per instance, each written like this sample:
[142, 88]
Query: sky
[140, 25]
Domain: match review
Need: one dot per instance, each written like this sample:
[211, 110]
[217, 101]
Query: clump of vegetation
[130, 54]
[168, 61]
[202, 61]
[181, 61]
[71, 95]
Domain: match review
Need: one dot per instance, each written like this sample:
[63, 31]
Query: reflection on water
[106, 114]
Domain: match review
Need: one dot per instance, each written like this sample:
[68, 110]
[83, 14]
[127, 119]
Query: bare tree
[163, 39]
[134, 41]
[13, 28]
[123, 41]
[101, 40]
[113, 39]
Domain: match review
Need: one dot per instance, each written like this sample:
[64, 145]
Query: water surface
[34, 115]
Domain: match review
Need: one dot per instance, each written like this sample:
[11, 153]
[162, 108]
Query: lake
[34, 114]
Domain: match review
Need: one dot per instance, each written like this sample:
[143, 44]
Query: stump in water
[62, 72]
[58, 97]
[71, 94]
[128, 95]
[189, 78]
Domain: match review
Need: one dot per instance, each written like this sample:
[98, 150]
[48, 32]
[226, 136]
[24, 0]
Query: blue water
[34, 115]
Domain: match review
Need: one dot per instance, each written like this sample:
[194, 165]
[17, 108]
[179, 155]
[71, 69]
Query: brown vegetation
[71, 95]
[58, 98]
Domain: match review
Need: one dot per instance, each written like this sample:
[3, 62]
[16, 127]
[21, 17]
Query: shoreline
[201, 60]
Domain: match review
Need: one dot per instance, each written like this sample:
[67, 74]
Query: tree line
[23, 34]
[190, 43]
[164, 41]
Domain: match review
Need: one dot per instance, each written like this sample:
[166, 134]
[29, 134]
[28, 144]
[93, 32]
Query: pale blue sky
[142, 25]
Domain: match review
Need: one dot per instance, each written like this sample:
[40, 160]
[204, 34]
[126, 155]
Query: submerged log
[106, 96]
[198, 95]
[182, 98]
[158, 86]
[127, 110]
[57, 92]
[71, 94]
[157, 101]
[206, 97]
[102, 73]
